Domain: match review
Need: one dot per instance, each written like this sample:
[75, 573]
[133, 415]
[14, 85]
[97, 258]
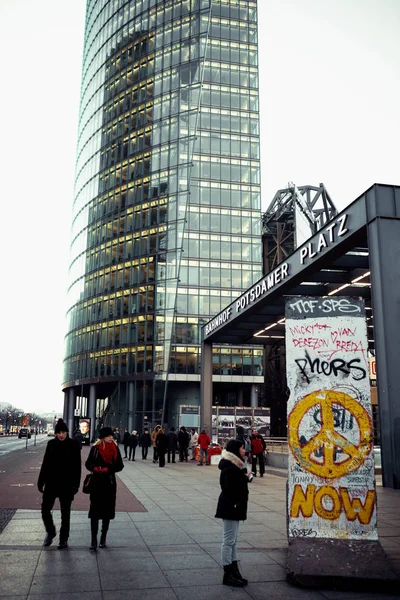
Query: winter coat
[104, 485]
[194, 440]
[145, 440]
[172, 440]
[126, 438]
[257, 444]
[183, 439]
[154, 435]
[61, 467]
[162, 443]
[232, 502]
[204, 441]
[133, 441]
[80, 438]
[242, 437]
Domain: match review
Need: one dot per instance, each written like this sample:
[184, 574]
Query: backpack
[257, 446]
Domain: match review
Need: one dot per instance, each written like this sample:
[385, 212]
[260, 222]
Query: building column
[130, 406]
[239, 398]
[92, 411]
[65, 408]
[384, 252]
[71, 408]
[206, 387]
[254, 395]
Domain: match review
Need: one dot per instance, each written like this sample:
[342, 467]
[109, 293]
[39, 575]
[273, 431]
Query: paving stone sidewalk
[172, 550]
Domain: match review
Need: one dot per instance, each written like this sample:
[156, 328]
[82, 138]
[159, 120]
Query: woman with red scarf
[104, 461]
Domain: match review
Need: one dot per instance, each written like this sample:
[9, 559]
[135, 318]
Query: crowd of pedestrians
[187, 444]
[60, 476]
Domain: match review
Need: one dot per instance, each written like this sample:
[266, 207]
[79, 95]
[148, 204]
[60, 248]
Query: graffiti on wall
[331, 491]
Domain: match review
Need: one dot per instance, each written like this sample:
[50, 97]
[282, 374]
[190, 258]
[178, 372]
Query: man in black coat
[183, 442]
[145, 443]
[133, 442]
[172, 444]
[59, 477]
[125, 441]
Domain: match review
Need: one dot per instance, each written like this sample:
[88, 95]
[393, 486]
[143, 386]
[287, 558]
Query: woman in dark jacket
[104, 461]
[162, 446]
[232, 508]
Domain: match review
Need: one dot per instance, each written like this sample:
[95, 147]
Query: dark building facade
[166, 216]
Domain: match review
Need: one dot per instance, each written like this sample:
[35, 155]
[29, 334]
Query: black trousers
[126, 446]
[49, 497]
[260, 461]
[132, 451]
[161, 459]
[183, 454]
[145, 450]
[173, 452]
[155, 454]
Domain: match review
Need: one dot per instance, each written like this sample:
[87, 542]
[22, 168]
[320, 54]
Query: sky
[329, 112]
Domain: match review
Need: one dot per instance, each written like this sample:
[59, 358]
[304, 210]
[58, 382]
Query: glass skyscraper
[166, 215]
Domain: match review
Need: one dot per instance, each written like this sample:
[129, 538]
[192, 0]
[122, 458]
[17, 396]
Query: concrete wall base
[340, 564]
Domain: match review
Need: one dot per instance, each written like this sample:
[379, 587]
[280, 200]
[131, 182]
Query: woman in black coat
[232, 508]
[104, 461]
[162, 446]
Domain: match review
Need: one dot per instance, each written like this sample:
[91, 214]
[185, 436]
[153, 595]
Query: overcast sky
[330, 97]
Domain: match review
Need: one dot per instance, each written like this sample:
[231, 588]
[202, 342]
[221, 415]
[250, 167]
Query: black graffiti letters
[324, 306]
[309, 366]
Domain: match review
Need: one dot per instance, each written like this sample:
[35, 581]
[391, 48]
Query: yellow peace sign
[328, 437]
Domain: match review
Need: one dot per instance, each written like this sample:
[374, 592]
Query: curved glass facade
[166, 215]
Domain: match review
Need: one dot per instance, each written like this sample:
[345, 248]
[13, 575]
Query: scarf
[108, 452]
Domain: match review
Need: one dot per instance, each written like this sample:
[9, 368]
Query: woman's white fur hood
[233, 459]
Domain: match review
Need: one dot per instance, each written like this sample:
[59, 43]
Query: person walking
[117, 436]
[145, 443]
[153, 441]
[257, 452]
[193, 442]
[232, 508]
[104, 461]
[162, 445]
[204, 441]
[172, 444]
[133, 442]
[59, 477]
[183, 443]
[244, 438]
[125, 441]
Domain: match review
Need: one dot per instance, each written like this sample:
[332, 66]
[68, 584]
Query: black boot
[62, 544]
[235, 568]
[103, 536]
[230, 577]
[49, 538]
[94, 526]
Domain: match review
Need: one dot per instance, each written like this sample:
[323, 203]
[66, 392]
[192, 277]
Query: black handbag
[87, 484]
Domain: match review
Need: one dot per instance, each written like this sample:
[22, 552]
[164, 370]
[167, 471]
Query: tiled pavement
[173, 550]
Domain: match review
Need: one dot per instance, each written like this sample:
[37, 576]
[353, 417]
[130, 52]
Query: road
[19, 471]
[11, 443]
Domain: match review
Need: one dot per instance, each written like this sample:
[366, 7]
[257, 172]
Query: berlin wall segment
[331, 483]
